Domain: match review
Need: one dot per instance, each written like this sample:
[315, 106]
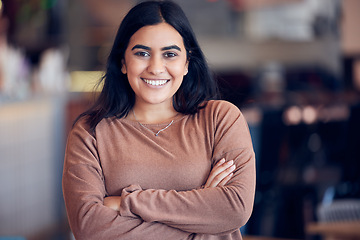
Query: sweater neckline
[177, 118]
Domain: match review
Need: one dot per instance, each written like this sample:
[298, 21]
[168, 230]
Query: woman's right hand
[220, 174]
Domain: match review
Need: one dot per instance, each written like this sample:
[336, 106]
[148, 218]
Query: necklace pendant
[157, 133]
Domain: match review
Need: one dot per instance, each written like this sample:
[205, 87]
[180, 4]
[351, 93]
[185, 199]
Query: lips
[158, 82]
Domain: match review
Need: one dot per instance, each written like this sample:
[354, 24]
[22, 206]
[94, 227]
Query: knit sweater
[159, 177]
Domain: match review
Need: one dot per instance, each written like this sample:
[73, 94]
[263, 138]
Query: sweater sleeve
[84, 192]
[218, 210]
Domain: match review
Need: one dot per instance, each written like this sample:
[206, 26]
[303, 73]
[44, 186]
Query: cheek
[176, 69]
[135, 67]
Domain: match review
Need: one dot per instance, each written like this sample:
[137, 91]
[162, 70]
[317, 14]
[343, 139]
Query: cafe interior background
[291, 66]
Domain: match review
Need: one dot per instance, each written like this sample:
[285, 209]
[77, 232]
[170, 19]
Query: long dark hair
[117, 97]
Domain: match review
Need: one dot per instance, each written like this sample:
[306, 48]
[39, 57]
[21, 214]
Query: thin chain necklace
[156, 133]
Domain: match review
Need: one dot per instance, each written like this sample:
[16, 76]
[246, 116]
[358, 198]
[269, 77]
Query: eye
[170, 54]
[142, 54]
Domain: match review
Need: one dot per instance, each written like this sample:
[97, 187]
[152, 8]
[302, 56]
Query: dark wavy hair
[117, 97]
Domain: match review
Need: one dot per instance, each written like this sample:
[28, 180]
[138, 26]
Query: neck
[153, 114]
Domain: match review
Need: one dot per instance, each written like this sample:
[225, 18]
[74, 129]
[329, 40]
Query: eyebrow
[141, 47]
[163, 49]
[171, 47]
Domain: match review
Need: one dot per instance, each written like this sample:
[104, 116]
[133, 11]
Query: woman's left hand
[220, 174]
[113, 202]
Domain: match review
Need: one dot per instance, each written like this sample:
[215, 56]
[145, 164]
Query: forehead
[159, 35]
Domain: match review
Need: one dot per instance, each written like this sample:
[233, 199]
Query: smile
[155, 82]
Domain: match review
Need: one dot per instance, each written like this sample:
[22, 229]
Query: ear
[186, 69]
[123, 67]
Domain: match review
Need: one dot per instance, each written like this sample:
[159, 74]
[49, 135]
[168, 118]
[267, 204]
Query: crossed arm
[218, 177]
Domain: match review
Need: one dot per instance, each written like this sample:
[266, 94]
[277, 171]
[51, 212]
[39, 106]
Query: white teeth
[155, 82]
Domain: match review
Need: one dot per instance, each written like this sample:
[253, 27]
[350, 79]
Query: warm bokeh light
[309, 114]
[292, 116]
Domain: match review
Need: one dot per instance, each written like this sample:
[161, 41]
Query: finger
[221, 176]
[226, 169]
[216, 173]
[218, 168]
[225, 180]
[218, 164]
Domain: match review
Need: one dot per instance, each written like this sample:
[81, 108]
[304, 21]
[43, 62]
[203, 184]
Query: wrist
[113, 202]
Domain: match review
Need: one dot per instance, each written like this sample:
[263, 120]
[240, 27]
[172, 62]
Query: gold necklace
[156, 133]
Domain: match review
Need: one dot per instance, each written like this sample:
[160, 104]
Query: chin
[157, 100]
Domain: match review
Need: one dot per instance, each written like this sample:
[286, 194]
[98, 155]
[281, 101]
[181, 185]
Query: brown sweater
[160, 177]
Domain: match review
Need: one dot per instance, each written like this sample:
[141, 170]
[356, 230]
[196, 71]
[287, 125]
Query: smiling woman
[157, 157]
[155, 63]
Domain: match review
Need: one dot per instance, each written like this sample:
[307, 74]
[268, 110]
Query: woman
[155, 158]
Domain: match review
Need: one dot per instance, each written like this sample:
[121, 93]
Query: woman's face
[155, 63]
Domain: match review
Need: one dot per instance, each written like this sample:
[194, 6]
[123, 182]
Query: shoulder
[230, 126]
[221, 108]
[81, 130]
[223, 115]
[81, 124]
[221, 104]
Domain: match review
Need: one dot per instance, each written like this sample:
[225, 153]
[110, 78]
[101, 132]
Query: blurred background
[291, 66]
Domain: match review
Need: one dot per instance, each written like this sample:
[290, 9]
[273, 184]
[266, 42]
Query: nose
[156, 65]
